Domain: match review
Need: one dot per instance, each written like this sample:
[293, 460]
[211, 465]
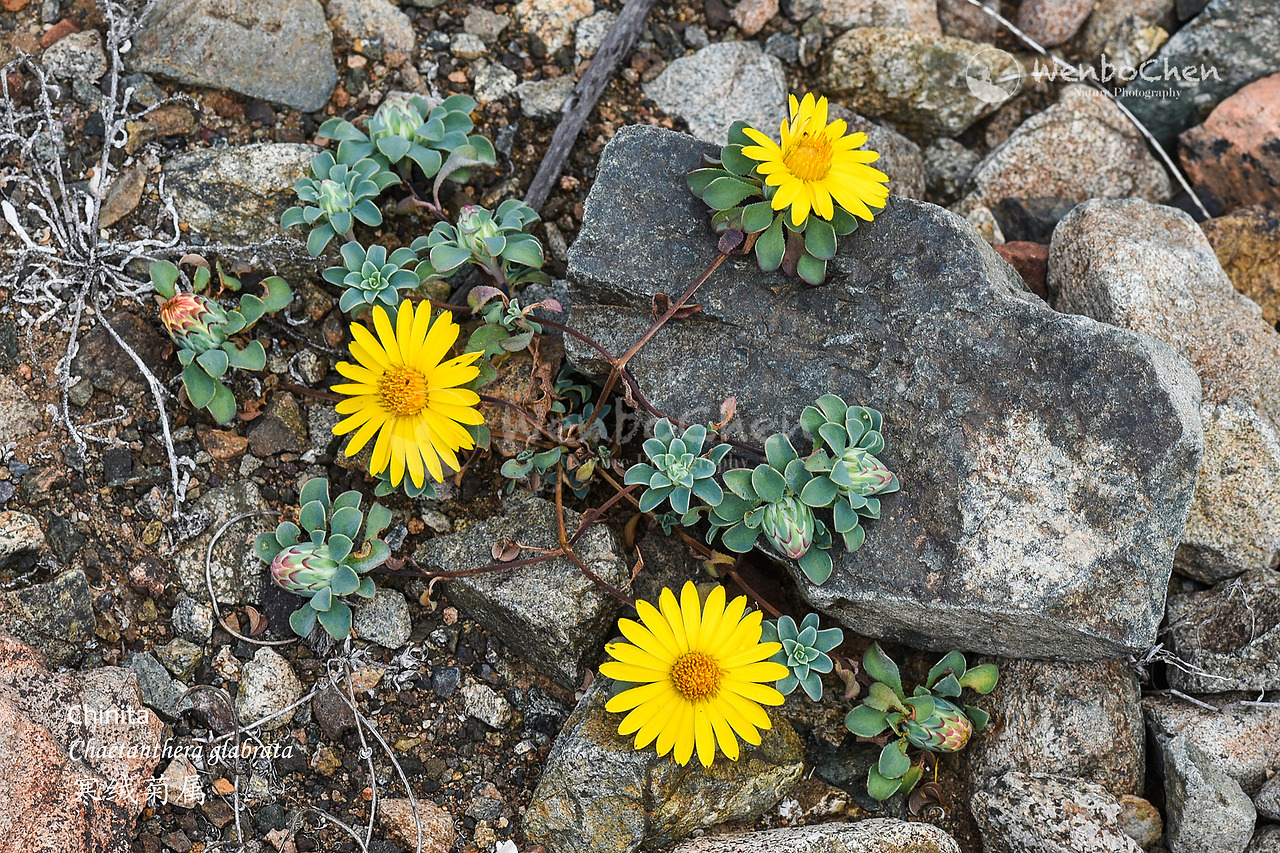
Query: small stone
[750, 16]
[269, 685]
[180, 657]
[1243, 740]
[590, 33]
[222, 444]
[485, 25]
[1140, 820]
[544, 98]
[1247, 242]
[486, 705]
[918, 15]
[961, 19]
[948, 165]
[468, 46]
[396, 820]
[55, 617]
[160, 692]
[124, 194]
[78, 56]
[879, 835]
[227, 665]
[444, 681]
[552, 21]
[493, 81]
[696, 37]
[1025, 813]
[915, 79]
[1110, 15]
[1236, 152]
[1265, 840]
[374, 20]
[21, 539]
[235, 569]
[1053, 22]
[720, 84]
[1267, 801]
[18, 416]
[312, 366]
[282, 429]
[1206, 808]
[181, 783]
[384, 620]
[192, 619]
[332, 713]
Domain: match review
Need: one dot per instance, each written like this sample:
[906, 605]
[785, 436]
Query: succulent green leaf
[303, 620]
[287, 534]
[323, 599]
[816, 564]
[339, 548]
[699, 178]
[164, 276]
[739, 482]
[854, 538]
[266, 547]
[735, 161]
[278, 294]
[312, 517]
[779, 452]
[911, 778]
[923, 706]
[738, 134]
[948, 685]
[893, 763]
[379, 518]
[981, 678]
[708, 491]
[977, 716]
[881, 697]
[811, 269]
[724, 193]
[223, 404]
[865, 721]
[843, 222]
[345, 581]
[953, 661]
[879, 787]
[527, 252]
[739, 538]
[214, 362]
[819, 492]
[820, 239]
[757, 217]
[318, 239]
[199, 384]
[337, 620]
[351, 498]
[346, 522]
[366, 588]
[653, 498]
[768, 483]
[881, 667]
[379, 553]
[315, 489]
[771, 246]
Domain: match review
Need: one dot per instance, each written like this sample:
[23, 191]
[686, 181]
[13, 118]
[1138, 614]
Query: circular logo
[993, 76]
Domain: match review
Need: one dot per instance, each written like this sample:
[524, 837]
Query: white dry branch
[61, 259]
[1064, 66]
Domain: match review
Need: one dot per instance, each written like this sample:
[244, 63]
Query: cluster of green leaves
[776, 498]
[368, 277]
[498, 244]
[585, 444]
[804, 652]
[202, 330]
[508, 325]
[928, 719]
[407, 129]
[741, 200]
[335, 196]
[323, 557]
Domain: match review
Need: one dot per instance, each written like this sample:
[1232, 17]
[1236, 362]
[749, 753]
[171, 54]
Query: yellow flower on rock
[702, 674]
[817, 167]
[403, 392]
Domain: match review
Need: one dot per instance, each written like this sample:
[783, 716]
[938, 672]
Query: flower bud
[788, 524]
[193, 321]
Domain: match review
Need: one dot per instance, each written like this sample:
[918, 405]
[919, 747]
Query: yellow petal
[657, 625]
[673, 616]
[704, 734]
[691, 613]
[636, 696]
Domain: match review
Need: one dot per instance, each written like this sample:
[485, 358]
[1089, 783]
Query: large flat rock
[277, 50]
[1047, 461]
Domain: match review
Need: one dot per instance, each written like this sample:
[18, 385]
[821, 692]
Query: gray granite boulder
[1243, 739]
[1229, 44]
[878, 835]
[598, 794]
[1149, 268]
[1205, 807]
[720, 84]
[548, 612]
[1231, 632]
[1022, 813]
[56, 616]
[1080, 720]
[276, 50]
[1047, 461]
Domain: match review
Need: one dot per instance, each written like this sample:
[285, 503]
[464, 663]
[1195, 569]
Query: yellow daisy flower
[816, 165]
[702, 674]
[402, 392]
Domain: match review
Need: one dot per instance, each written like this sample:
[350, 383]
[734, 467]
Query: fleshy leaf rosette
[928, 719]
[677, 470]
[323, 556]
[202, 330]
[498, 243]
[335, 196]
[804, 652]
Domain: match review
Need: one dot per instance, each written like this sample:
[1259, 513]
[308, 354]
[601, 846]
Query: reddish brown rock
[76, 758]
[59, 31]
[750, 16]
[1247, 243]
[1031, 260]
[395, 817]
[1053, 22]
[1235, 154]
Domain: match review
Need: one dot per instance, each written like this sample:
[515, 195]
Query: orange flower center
[809, 158]
[403, 391]
[696, 676]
